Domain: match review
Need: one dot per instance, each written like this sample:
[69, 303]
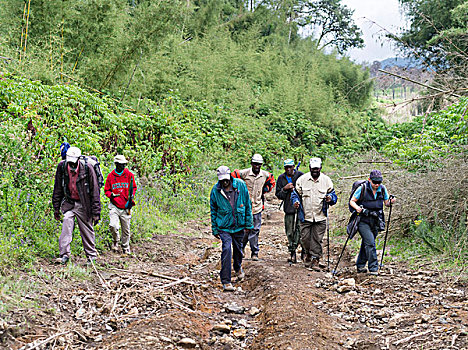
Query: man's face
[73, 165]
[225, 183]
[315, 172]
[256, 167]
[119, 167]
[375, 184]
[289, 170]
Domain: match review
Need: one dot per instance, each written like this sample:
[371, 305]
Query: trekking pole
[386, 233]
[328, 241]
[342, 251]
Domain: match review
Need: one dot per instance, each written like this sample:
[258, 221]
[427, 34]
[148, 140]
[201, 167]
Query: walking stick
[386, 233]
[328, 241]
[342, 251]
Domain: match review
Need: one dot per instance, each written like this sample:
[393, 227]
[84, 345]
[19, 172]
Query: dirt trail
[168, 296]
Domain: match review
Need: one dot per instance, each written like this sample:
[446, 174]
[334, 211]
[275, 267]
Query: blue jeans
[252, 235]
[228, 239]
[367, 253]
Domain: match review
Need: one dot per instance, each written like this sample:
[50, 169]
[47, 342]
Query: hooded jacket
[120, 184]
[223, 216]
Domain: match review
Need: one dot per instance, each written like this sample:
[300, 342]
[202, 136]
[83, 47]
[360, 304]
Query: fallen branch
[154, 274]
[101, 279]
[183, 280]
[52, 337]
[371, 303]
[366, 175]
[404, 340]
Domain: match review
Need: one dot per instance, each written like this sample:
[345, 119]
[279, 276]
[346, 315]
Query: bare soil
[168, 296]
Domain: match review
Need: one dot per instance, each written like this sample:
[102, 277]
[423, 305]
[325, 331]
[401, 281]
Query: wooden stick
[183, 280]
[154, 274]
[101, 279]
[52, 337]
[404, 340]
[371, 303]
[418, 83]
[366, 175]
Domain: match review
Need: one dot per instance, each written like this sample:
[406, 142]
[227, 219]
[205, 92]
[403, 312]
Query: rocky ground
[168, 296]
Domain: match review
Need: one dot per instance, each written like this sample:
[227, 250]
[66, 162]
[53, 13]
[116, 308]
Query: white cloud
[374, 17]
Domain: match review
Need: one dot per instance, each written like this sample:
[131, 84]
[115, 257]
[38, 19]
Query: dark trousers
[228, 239]
[312, 237]
[292, 231]
[368, 252]
[251, 236]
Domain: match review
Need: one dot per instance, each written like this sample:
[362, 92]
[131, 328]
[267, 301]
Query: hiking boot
[240, 274]
[126, 251]
[361, 270]
[115, 247]
[321, 264]
[293, 257]
[228, 287]
[63, 260]
[254, 257]
[374, 273]
[315, 265]
[308, 261]
[302, 254]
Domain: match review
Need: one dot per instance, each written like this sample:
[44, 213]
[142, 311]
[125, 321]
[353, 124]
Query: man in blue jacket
[231, 214]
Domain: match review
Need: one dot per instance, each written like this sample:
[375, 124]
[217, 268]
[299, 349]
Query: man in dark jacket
[76, 195]
[231, 214]
[284, 187]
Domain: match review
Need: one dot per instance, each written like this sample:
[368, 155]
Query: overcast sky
[387, 14]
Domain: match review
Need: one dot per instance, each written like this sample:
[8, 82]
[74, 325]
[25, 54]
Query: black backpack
[355, 186]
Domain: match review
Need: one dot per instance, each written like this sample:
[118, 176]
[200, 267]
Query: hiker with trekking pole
[312, 189]
[367, 201]
[284, 187]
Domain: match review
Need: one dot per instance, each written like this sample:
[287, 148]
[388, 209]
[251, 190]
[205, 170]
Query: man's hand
[288, 187]
[217, 236]
[95, 220]
[57, 215]
[359, 209]
[115, 194]
[327, 198]
[296, 205]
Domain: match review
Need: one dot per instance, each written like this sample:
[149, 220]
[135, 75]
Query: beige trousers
[120, 218]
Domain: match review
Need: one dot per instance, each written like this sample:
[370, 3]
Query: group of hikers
[236, 204]
[77, 196]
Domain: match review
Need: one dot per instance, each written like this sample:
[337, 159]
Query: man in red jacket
[120, 188]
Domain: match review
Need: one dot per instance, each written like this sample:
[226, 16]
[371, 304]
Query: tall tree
[331, 24]
[438, 31]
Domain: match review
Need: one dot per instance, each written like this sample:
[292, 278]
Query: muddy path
[168, 296]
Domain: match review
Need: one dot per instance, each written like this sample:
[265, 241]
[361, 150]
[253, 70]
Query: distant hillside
[400, 62]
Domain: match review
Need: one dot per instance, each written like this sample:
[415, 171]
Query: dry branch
[404, 340]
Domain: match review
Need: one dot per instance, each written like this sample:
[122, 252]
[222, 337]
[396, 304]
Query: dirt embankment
[168, 296]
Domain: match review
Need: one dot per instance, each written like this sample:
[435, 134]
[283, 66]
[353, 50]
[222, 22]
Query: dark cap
[376, 175]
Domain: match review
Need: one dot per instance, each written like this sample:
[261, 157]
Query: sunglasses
[376, 182]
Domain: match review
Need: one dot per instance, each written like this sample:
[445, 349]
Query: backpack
[355, 186]
[86, 161]
[94, 162]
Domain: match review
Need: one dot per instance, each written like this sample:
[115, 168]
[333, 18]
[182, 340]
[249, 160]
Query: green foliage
[437, 31]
